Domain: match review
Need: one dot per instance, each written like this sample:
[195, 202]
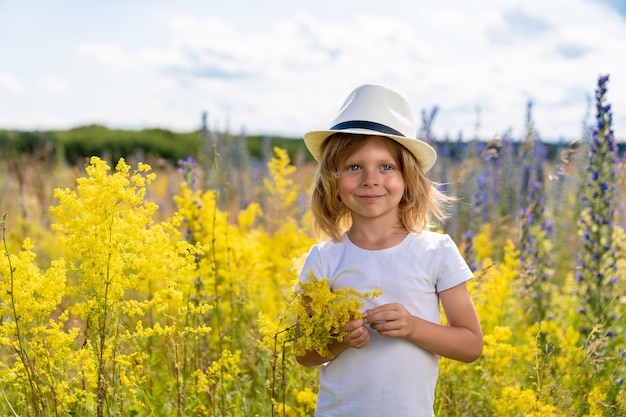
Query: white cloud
[54, 84]
[10, 83]
[287, 71]
[111, 55]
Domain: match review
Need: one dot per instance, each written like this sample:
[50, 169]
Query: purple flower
[579, 276]
[599, 203]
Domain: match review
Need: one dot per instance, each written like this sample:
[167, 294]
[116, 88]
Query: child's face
[370, 182]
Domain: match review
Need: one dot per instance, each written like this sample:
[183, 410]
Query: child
[371, 197]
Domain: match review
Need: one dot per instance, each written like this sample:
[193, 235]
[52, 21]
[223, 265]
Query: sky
[283, 67]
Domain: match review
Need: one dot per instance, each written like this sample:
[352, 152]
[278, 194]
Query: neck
[374, 239]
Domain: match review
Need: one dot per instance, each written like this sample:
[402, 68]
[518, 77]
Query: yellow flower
[322, 312]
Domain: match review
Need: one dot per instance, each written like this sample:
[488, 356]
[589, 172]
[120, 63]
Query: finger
[379, 316]
[359, 338]
[380, 313]
[386, 325]
[352, 325]
[379, 326]
[358, 333]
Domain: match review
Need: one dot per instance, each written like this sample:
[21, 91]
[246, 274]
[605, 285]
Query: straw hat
[376, 110]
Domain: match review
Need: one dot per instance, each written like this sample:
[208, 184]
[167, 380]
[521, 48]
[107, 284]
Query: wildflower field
[137, 288]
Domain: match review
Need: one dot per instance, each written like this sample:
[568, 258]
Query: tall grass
[155, 290]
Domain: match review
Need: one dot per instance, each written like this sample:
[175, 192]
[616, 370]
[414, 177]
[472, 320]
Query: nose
[370, 178]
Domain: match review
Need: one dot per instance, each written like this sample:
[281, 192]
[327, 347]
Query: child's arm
[358, 337]
[461, 339]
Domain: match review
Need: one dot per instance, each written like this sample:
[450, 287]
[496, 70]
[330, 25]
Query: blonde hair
[331, 217]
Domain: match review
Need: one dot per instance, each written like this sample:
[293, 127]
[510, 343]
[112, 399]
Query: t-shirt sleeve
[312, 264]
[453, 268]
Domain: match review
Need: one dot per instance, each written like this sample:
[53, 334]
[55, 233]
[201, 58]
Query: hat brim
[423, 152]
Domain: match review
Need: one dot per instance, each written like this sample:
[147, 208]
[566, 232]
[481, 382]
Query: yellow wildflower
[322, 312]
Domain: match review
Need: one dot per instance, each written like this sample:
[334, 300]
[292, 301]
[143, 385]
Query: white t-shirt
[389, 376]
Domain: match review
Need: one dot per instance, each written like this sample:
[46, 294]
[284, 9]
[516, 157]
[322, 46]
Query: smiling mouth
[369, 197]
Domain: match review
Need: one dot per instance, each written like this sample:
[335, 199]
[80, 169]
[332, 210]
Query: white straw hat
[376, 110]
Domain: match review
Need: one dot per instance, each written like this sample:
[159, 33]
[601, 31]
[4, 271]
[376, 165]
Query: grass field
[139, 288]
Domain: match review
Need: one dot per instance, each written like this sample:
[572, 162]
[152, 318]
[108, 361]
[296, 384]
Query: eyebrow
[390, 161]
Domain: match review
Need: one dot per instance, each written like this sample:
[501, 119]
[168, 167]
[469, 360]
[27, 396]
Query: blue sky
[284, 67]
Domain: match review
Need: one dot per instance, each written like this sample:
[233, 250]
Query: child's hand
[392, 320]
[359, 335]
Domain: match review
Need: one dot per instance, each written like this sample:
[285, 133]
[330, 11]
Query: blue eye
[387, 167]
[353, 167]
